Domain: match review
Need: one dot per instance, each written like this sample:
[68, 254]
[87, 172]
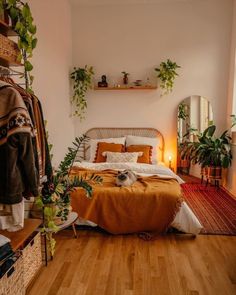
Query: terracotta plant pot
[214, 172]
[204, 171]
[184, 163]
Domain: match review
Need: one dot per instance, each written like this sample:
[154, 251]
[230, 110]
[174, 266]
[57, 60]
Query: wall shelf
[6, 30]
[9, 63]
[122, 87]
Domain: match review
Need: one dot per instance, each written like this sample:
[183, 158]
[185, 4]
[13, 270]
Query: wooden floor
[98, 264]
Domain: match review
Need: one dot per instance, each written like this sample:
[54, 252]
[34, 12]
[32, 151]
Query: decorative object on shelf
[55, 195]
[167, 74]
[138, 83]
[82, 81]
[126, 87]
[125, 77]
[22, 23]
[103, 83]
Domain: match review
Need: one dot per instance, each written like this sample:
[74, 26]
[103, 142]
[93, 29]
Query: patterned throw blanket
[150, 204]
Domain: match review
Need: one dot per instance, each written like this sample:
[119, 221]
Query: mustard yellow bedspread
[150, 204]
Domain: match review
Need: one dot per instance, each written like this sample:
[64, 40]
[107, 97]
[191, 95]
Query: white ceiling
[123, 2]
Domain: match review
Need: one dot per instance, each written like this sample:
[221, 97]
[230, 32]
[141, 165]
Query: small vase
[125, 79]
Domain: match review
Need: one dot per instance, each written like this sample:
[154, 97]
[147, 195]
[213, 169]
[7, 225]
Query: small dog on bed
[126, 178]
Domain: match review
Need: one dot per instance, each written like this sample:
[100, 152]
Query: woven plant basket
[8, 49]
[32, 259]
[12, 282]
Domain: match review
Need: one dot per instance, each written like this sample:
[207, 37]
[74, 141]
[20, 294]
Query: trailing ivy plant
[167, 74]
[23, 24]
[182, 111]
[82, 81]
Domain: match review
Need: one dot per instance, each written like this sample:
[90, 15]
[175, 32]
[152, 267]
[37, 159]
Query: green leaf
[28, 66]
[34, 43]
[32, 29]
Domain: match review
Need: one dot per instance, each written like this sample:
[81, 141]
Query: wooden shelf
[6, 30]
[126, 88]
[9, 63]
[18, 238]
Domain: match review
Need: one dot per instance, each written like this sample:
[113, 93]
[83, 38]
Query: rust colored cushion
[147, 152]
[107, 147]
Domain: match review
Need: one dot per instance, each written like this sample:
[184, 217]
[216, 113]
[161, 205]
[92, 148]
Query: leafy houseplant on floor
[22, 23]
[210, 152]
[167, 74]
[82, 81]
[55, 195]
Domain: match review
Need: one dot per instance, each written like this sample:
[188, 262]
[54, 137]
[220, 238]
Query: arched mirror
[194, 115]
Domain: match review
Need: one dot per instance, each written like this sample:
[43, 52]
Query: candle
[170, 158]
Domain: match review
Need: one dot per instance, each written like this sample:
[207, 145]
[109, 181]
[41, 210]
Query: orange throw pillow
[147, 152]
[107, 147]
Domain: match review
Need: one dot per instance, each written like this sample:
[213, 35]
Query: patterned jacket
[18, 173]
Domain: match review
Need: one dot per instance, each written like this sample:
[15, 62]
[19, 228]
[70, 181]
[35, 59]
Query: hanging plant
[23, 24]
[82, 81]
[167, 74]
[182, 111]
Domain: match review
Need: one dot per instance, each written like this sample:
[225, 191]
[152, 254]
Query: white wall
[52, 61]
[136, 38]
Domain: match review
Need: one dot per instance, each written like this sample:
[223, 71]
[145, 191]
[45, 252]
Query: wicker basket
[32, 259]
[9, 50]
[12, 282]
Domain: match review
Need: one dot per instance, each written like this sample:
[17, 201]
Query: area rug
[215, 208]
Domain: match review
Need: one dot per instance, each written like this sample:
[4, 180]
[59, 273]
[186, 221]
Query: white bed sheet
[185, 220]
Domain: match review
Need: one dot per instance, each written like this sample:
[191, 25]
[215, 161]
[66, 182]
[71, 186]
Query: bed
[183, 219]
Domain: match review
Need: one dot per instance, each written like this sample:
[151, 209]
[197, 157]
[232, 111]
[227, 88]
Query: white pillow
[115, 157]
[140, 140]
[94, 143]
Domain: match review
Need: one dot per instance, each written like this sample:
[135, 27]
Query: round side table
[72, 217]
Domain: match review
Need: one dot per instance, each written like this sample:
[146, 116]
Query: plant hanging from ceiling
[167, 74]
[23, 24]
[82, 81]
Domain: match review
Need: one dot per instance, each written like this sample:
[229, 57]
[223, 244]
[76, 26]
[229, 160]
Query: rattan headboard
[96, 133]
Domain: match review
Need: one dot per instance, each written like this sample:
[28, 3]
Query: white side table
[72, 217]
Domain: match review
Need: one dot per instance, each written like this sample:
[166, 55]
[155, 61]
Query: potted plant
[82, 81]
[23, 24]
[125, 77]
[167, 74]
[54, 200]
[210, 152]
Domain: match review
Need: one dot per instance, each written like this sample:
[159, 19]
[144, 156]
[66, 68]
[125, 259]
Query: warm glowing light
[170, 158]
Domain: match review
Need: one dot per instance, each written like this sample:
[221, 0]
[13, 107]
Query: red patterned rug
[215, 208]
